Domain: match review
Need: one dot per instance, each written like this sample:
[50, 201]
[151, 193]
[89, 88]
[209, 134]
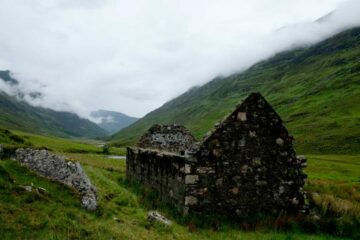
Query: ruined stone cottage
[246, 165]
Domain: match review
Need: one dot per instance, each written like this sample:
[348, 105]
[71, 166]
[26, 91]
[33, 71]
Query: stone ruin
[246, 165]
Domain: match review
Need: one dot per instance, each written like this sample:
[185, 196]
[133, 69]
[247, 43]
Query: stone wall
[49, 165]
[163, 171]
[246, 165]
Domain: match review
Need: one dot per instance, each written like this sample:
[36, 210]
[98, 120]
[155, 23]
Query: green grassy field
[63, 145]
[333, 186]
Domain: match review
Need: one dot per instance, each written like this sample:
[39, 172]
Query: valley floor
[333, 188]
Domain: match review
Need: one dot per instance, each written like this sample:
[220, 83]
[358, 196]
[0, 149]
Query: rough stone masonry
[246, 165]
[55, 167]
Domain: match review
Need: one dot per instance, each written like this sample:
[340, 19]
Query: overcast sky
[132, 56]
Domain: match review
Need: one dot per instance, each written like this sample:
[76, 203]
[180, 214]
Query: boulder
[27, 188]
[47, 164]
[154, 216]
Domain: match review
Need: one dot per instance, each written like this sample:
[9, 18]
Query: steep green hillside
[19, 115]
[7, 137]
[316, 90]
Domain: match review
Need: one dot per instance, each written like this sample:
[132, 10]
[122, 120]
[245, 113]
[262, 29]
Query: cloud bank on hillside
[132, 56]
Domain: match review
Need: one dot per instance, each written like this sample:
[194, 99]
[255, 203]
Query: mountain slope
[316, 90]
[19, 115]
[112, 121]
[7, 78]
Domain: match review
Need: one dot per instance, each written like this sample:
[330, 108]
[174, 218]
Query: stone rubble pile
[54, 167]
[172, 138]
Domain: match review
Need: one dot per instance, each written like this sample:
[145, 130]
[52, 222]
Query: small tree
[106, 149]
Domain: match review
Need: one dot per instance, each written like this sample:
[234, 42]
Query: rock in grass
[42, 190]
[47, 164]
[154, 216]
[27, 188]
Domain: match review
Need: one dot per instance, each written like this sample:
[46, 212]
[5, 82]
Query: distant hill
[17, 114]
[316, 90]
[112, 121]
[6, 77]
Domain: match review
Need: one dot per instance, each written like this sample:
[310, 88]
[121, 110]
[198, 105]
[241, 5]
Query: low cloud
[132, 56]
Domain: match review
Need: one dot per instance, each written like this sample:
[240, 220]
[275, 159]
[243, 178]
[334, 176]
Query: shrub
[106, 149]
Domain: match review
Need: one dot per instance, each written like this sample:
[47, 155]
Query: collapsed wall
[171, 138]
[49, 165]
[160, 162]
[246, 165]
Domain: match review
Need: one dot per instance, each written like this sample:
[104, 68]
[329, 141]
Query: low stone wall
[162, 171]
[49, 165]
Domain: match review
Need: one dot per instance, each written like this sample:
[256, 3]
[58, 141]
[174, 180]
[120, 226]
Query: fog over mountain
[132, 56]
[112, 121]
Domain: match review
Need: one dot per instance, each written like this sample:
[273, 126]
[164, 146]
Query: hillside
[7, 78]
[314, 89]
[112, 121]
[17, 114]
